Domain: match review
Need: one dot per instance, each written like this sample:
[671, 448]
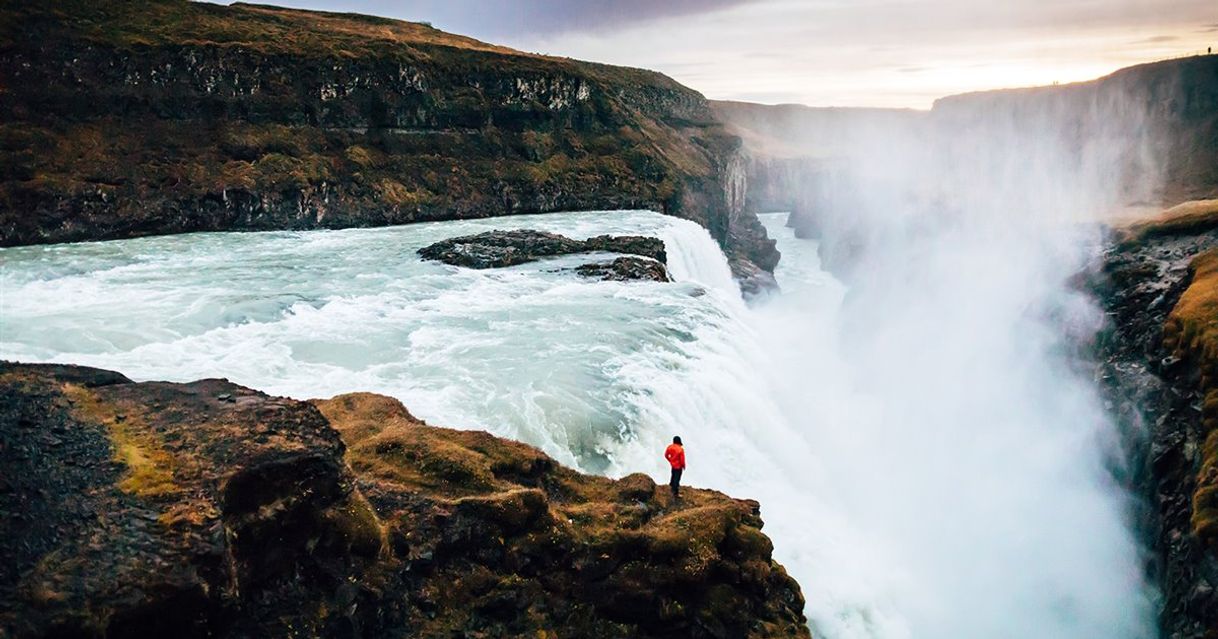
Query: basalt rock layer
[211, 510]
[121, 119]
[1159, 368]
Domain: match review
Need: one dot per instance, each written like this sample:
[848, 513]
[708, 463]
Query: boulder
[495, 249]
[652, 247]
[625, 269]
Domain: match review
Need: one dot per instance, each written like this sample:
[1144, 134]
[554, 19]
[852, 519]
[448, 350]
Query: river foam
[906, 502]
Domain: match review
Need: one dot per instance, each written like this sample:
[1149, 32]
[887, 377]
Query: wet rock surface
[494, 249]
[651, 247]
[754, 281]
[1158, 395]
[211, 510]
[624, 269]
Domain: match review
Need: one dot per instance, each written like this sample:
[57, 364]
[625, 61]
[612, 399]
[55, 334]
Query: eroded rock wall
[1162, 398]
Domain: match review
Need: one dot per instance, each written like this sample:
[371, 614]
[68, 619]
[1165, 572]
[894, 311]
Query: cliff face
[1152, 129]
[211, 510]
[165, 116]
[793, 154]
[1165, 113]
[1158, 284]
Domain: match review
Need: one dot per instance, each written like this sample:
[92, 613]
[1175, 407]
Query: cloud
[487, 19]
[829, 52]
[1159, 39]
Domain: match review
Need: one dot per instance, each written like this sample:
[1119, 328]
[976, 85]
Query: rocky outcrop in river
[495, 249]
[212, 510]
[165, 116]
[1159, 368]
[625, 269]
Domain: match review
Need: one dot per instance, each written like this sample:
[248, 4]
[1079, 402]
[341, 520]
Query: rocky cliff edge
[209, 509]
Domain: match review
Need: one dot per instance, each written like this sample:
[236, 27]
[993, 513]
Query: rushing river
[908, 505]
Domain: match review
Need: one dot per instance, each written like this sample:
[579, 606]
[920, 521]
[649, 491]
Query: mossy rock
[209, 509]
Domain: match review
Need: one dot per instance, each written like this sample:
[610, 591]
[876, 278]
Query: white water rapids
[916, 487]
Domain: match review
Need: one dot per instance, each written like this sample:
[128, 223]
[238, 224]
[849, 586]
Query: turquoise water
[926, 468]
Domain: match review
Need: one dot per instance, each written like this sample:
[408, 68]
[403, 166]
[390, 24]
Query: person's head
[677, 440]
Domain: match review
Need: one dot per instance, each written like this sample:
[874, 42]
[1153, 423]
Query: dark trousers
[675, 482]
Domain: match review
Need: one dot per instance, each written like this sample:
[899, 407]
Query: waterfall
[927, 465]
[693, 255]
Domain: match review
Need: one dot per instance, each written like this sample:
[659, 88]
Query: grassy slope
[1190, 217]
[629, 523]
[1191, 333]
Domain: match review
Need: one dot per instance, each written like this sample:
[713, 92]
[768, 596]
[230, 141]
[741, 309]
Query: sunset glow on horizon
[833, 52]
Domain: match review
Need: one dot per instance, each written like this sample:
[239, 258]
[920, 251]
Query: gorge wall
[1159, 285]
[1157, 124]
[166, 116]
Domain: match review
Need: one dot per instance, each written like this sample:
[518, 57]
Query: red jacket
[675, 455]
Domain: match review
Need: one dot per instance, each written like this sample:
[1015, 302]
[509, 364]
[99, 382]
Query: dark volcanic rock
[494, 249]
[652, 247]
[1158, 395]
[753, 280]
[160, 510]
[211, 510]
[626, 268]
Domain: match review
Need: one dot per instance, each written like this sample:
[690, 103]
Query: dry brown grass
[150, 468]
[369, 27]
[385, 443]
[1186, 218]
[1191, 333]
[256, 27]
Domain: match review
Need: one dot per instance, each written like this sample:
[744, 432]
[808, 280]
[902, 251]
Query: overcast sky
[902, 53]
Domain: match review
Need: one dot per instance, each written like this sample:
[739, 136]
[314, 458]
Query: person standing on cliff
[675, 454]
